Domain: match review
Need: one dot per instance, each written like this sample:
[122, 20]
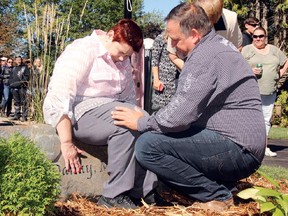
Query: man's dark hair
[251, 20]
[190, 16]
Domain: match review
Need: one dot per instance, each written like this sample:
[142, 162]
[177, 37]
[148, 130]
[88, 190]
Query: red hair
[127, 31]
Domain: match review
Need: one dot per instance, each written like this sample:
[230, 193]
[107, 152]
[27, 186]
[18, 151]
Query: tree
[89, 15]
[152, 30]
[151, 23]
[8, 29]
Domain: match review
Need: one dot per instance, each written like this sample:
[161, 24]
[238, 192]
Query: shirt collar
[102, 50]
[210, 34]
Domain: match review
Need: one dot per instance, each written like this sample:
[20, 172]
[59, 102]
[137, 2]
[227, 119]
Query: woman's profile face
[119, 51]
[259, 38]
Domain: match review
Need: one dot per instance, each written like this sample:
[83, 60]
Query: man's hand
[124, 116]
[70, 154]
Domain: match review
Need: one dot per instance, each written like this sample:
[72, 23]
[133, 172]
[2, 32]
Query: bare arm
[176, 60]
[68, 149]
[284, 69]
[157, 84]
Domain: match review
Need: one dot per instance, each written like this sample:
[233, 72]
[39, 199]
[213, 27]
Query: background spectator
[271, 59]
[7, 96]
[225, 21]
[37, 70]
[164, 72]
[250, 25]
[19, 85]
[3, 66]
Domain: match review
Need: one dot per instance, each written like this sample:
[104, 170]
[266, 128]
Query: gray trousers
[96, 127]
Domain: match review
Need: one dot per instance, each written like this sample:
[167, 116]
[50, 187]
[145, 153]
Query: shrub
[29, 182]
[270, 200]
[281, 118]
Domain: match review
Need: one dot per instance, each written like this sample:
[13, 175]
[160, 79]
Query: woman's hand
[124, 116]
[257, 71]
[158, 85]
[70, 154]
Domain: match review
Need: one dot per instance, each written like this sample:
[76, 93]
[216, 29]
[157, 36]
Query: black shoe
[15, 118]
[120, 201]
[153, 198]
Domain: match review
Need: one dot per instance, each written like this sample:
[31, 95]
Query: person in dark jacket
[2, 68]
[7, 96]
[250, 24]
[19, 85]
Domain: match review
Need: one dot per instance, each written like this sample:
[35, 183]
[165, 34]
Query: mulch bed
[80, 206]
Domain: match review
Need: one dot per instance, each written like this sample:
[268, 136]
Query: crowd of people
[18, 78]
[207, 130]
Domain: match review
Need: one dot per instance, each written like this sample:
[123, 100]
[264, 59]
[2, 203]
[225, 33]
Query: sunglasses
[258, 36]
[253, 24]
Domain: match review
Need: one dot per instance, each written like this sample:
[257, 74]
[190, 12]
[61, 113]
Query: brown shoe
[215, 205]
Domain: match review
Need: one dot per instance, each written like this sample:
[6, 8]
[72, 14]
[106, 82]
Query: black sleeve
[26, 74]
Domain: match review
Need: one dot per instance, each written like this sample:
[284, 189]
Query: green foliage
[98, 14]
[30, 183]
[8, 29]
[46, 34]
[152, 30]
[270, 200]
[281, 118]
[152, 21]
[282, 98]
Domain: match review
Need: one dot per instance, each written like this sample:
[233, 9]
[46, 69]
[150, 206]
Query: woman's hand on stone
[70, 154]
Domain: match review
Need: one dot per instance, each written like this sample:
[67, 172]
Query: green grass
[277, 173]
[278, 133]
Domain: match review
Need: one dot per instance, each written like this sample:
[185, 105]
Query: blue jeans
[199, 163]
[7, 100]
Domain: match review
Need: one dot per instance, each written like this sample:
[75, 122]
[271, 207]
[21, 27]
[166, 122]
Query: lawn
[278, 133]
[277, 173]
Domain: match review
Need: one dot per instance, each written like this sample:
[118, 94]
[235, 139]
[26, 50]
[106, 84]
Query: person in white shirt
[90, 78]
